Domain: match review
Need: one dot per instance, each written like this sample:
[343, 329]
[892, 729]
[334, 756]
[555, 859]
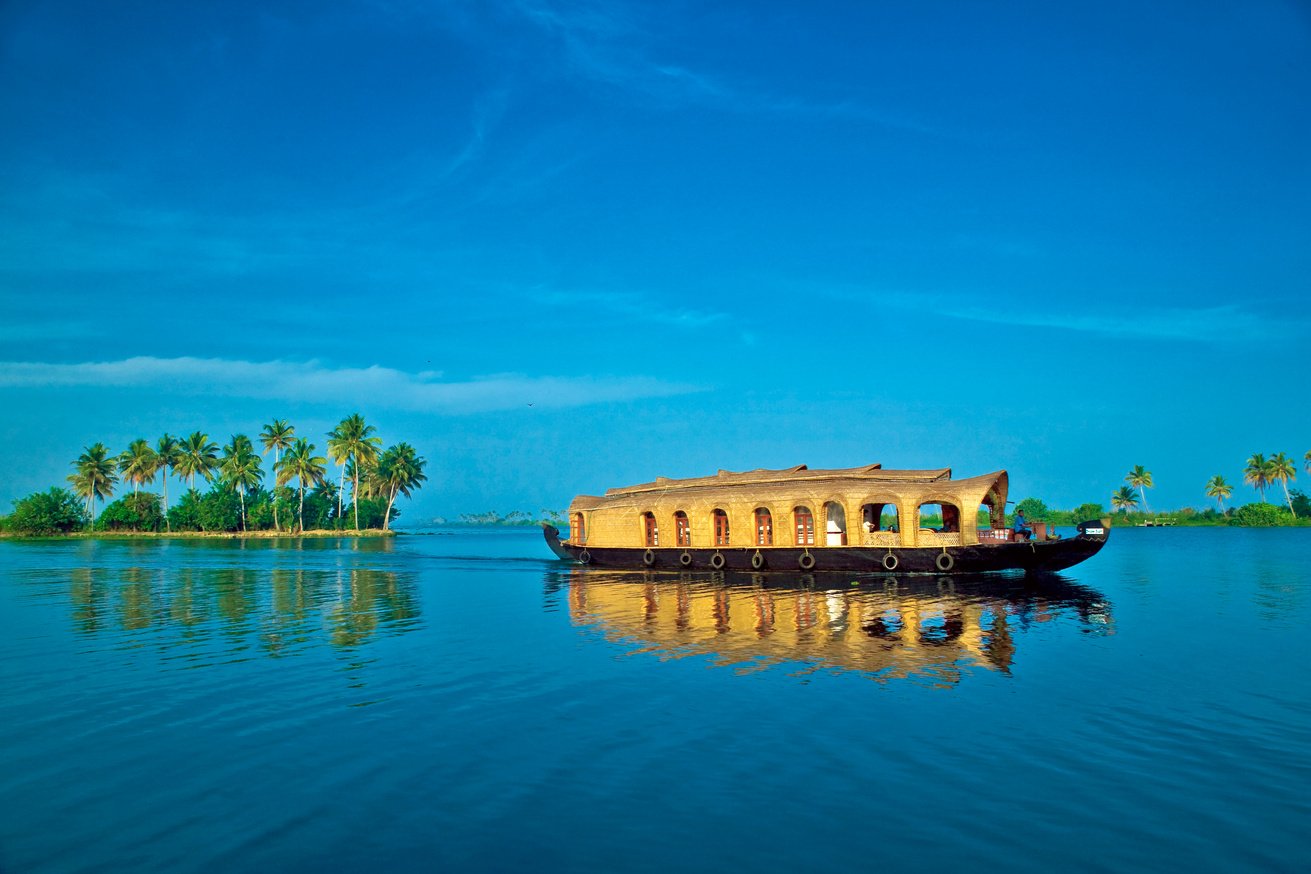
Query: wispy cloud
[1208, 324]
[313, 382]
[613, 43]
[1227, 323]
[632, 306]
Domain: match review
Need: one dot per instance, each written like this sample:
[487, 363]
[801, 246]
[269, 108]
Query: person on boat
[950, 519]
[1022, 526]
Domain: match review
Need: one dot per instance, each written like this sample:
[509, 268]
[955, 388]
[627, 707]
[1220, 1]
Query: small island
[238, 502]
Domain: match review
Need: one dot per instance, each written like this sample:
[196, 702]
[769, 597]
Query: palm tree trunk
[164, 479]
[1143, 491]
[1284, 483]
[302, 506]
[241, 493]
[341, 487]
[276, 527]
[386, 520]
[355, 495]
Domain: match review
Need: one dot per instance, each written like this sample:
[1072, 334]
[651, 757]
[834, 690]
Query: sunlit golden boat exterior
[852, 519]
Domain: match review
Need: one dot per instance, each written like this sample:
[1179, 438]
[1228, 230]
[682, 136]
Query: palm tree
[300, 463]
[1124, 499]
[1257, 473]
[352, 444]
[95, 477]
[399, 471]
[241, 469]
[1217, 488]
[1283, 469]
[137, 464]
[1141, 479]
[340, 455]
[168, 453]
[1307, 461]
[198, 455]
[277, 435]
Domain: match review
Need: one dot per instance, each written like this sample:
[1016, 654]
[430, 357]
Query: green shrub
[136, 512]
[185, 515]
[1261, 516]
[1087, 512]
[220, 511]
[57, 511]
[1034, 511]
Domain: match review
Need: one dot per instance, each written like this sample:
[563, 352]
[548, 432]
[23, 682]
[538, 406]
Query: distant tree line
[238, 498]
[513, 519]
[1259, 472]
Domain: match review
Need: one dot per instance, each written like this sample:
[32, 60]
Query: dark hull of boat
[1036, 556]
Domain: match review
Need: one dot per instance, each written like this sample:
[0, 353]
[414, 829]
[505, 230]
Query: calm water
[458, 702]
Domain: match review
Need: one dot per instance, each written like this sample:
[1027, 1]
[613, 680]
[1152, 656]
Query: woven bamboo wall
[617, 520]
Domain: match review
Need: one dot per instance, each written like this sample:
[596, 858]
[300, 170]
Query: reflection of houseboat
[855, 519]
[933, 630]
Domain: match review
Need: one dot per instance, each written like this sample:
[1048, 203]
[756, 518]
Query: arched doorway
[764, 527]
[835, 526]
[721, 527]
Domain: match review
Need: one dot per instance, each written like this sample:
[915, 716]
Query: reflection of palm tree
[301, 464]
[241, 469]
[199, 455]
[399, 471]
[95, 477]
[1282, 470]
[1141, 479]
[167, 455]
[277, 435]
[137, 464]
[1217, 488]
[1124, 499]
[1257, 473]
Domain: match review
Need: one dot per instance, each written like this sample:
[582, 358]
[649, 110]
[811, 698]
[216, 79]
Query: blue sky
[564, 246]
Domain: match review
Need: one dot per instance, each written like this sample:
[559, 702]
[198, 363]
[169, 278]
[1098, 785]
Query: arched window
[878, 522]
[764, 527]
[721, 528]
[577, 529]
[682, 529]
[649, 530]
[939, 517]
[804, 526]
[835, 528]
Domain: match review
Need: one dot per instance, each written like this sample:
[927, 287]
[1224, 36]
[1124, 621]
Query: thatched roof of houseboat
[872, 478]
[799, 474]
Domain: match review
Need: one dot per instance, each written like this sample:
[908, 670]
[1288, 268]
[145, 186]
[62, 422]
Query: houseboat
[852, 519]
